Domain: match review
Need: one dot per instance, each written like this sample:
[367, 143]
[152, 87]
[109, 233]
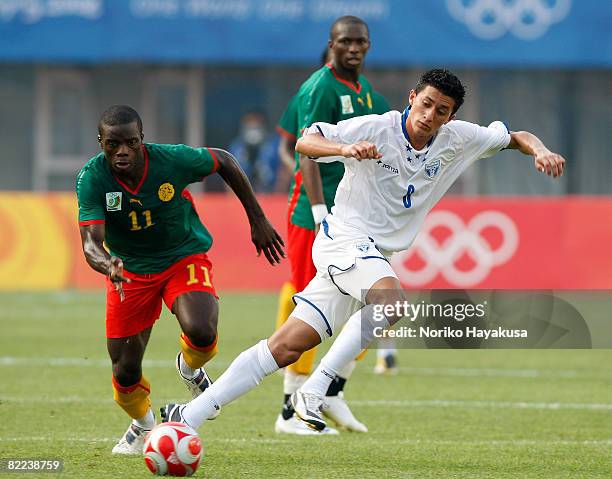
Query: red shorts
[143, 296]
[299, 248]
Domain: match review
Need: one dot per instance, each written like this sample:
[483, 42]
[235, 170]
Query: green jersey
[326, 97]
[288, 124]
[381, 105]
[154, 225]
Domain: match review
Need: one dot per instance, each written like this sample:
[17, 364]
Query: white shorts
[347, 267]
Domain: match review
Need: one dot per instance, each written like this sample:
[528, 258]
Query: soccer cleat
[386, 365]
[336, 409]
[307, 407]
[172, 413]
[196, 385]
[294, 426]
[132, 441]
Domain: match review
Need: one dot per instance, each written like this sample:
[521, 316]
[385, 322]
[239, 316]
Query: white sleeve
[360, 128]
[483, 142]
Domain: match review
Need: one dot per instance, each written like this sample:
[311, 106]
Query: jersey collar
[144, 174]
[356, 89]
[407, 136]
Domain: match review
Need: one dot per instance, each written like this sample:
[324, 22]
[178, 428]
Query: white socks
[357, 334]
[347, 371]
[186, 370]
[147, 421]
[245, 372]
[292, 381]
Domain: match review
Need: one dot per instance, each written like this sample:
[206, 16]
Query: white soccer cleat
[197, 384]
[132, 441]
[336, 409]
[294, 426]
[307, 407]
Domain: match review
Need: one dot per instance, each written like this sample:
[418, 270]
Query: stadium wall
[489, 243]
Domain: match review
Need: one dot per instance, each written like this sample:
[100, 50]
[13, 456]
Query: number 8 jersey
[154, 225]
[388, 199]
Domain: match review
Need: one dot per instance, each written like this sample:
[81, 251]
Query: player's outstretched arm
[315, 145]
[92, 238]
[545, 160]
[264, 236]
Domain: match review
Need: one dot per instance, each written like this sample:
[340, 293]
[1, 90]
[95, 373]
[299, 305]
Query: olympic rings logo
[464, 239]
[525, 19]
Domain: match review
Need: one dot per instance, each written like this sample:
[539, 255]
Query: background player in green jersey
[132, 197]
[335, 92]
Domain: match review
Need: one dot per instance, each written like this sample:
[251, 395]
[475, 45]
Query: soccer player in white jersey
[397, 166]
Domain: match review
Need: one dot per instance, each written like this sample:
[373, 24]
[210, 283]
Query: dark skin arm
[263, 235]
[286, 149]
[92, 240]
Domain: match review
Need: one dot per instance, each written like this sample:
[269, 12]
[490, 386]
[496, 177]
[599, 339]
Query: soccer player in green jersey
[335, 92]
[132, 198]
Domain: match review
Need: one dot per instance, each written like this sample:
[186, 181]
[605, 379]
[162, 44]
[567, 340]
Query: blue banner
[498, 33]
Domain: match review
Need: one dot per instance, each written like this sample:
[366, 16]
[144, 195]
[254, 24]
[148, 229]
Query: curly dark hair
[119, 115]
[444, 81]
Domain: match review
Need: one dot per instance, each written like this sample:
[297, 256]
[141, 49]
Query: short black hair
[347, 20]
[119, 115]
[445, 81]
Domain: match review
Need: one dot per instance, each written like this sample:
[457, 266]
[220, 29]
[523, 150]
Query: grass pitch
[448, 414]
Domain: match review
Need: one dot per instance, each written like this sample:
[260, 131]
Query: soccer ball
[172, 449]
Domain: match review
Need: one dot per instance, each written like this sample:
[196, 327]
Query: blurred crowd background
[220, 73]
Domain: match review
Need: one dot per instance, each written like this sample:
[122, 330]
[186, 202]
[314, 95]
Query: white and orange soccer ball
[172, 449]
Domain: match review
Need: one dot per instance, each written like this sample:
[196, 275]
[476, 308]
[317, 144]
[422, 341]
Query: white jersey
[388, 199]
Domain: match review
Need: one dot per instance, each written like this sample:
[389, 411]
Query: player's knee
[283, 353]
[127, 374]
[202, 336]
[386, 297]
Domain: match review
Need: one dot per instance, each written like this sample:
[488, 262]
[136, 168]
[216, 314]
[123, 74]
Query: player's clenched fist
[362, 150]
[549, 163]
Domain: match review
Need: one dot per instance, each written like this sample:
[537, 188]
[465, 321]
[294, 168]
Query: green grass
[448, 414]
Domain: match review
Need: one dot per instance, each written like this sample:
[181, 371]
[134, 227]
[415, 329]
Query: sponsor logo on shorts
[166, 192]
[347, 105]
[113, 201]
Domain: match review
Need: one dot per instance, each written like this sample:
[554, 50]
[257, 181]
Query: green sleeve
[381, 105]
[197, 163]
[90, 199]
[318, 104]
[288, 124]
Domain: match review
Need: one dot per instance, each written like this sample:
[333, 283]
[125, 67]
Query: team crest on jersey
[113, 201]
[166, 192]
[432, 169]
[347, 105]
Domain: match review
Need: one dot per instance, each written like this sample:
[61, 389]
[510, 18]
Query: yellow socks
[285, 303]
[196, 356]
[134, 399]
